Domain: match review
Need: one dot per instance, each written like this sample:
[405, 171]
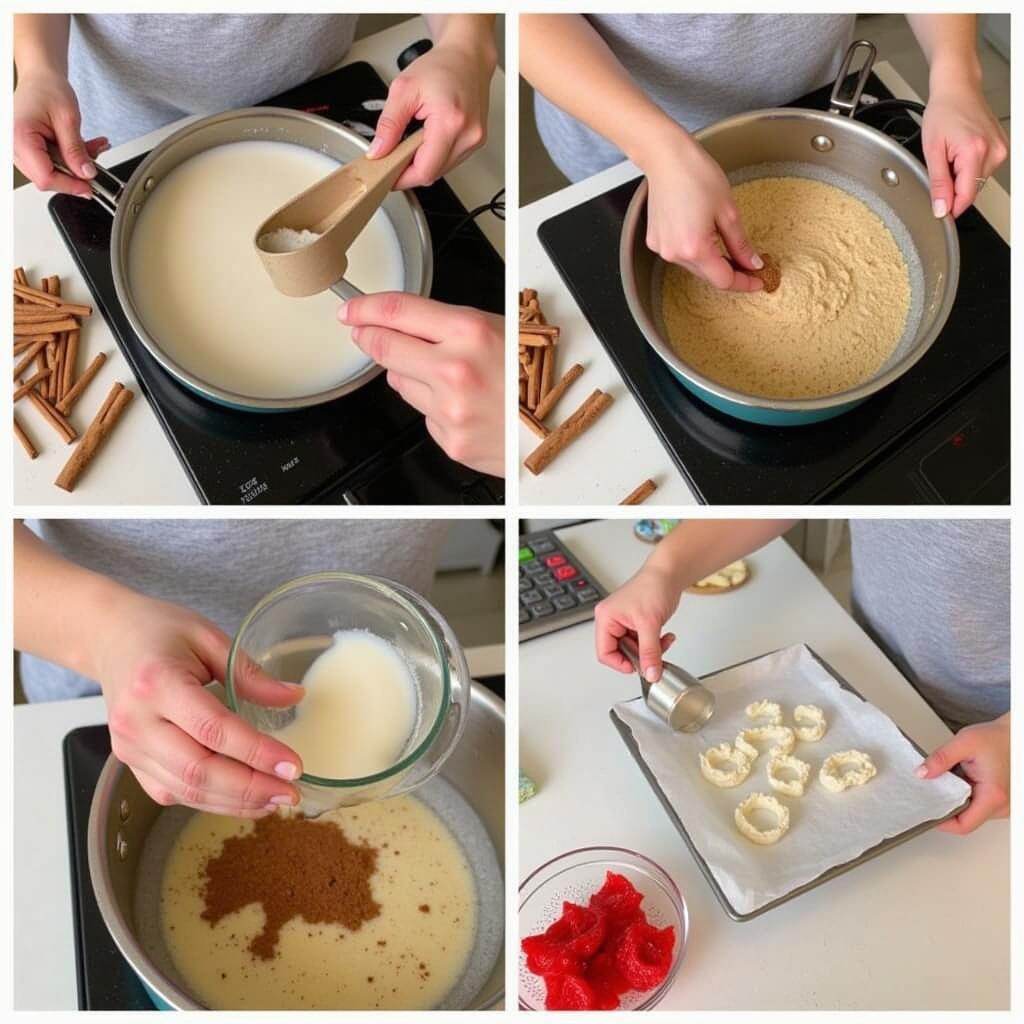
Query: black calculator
[555, 589]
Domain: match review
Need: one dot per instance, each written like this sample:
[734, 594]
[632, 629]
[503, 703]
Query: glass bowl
[295, 623]
[575, 876]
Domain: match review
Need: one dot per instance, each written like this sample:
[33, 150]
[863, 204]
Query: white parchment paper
[826, 829]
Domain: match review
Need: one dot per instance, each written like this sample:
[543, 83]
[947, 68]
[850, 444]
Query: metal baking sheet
[826, 876]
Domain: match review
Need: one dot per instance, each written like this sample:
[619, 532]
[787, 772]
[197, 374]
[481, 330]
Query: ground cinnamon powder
[293, 867]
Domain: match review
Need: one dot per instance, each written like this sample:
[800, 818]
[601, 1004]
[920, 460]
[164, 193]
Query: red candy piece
[569, 992]
[569, 942]
[618, 898]
[607, 981]
[644, 954]
[592, 955]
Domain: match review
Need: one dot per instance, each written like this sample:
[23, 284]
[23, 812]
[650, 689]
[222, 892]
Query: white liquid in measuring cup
[201, 289]
[359, 710]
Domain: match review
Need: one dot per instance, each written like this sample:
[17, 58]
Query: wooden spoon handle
[401, 155]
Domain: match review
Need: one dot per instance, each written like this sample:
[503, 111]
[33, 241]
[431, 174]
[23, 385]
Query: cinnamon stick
[19, 433]
[532, 422]
[70, 361]
[25, 330]
[42, 299]
[546, 330]
[550, 400]
[562, 436]
[65, 404]
[99, 430]
[525, 296]
[20, 277]
[25, 388]
[547, 371]
[30, 353]
[641, 494]
[36, 315]
[54, 418]
[535, 340]
[533, 383]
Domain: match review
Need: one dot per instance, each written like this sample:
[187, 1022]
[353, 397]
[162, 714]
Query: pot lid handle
[840, 104]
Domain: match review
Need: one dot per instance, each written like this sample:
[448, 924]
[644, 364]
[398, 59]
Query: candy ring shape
[769, 710]
[713, 763]
[784, 737]
[845, 769]
[791, 787]
[809, 723]
[762, 802]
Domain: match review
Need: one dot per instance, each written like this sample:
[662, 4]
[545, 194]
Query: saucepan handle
[345, 291]
[839, 103]
[106, 188]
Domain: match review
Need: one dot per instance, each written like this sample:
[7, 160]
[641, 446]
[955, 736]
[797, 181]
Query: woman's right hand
[639, 609]
[182, 744]
[46, 110]
[690, 207]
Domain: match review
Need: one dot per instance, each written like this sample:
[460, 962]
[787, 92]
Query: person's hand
[181, 743]
[448, 90]
[962, 142]
[983, 752]
[46, 110]
[689, 208]
[639, 609]
[447, 362]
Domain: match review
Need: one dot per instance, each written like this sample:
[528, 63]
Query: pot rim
[224, 396]
[121, 930]
[627, 240]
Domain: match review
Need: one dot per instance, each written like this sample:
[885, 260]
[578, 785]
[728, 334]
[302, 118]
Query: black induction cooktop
[368, 447]
[938, 435]
[105, 979]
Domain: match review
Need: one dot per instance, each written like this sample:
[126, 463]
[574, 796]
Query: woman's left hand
[983, 752]
[963, 143]
[446, 361]
[448, 89]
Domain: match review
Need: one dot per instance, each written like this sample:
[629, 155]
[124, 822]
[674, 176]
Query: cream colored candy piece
[814, 724]
[791, 787]
[762, 802]
[846, 768]
[784, 737]
[732, 575]
[766, 709]
[713, 760]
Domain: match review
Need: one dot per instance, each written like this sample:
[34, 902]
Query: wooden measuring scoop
[304, 244]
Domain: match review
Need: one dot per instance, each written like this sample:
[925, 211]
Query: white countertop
[138, 466]
[621, 449]
[925, 926]
[44, 946]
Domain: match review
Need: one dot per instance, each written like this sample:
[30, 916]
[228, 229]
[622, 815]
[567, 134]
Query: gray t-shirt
[222, 568]
[136, 72]
[935, 595]
[700, 68]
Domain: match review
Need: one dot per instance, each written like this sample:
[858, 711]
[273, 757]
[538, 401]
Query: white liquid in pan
[201, 289]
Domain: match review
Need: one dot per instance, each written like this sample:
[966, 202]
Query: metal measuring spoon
[677, 698]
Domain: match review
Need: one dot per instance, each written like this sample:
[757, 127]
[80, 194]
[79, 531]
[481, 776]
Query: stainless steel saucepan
[125, 201]
[128, 831]
[826, 146]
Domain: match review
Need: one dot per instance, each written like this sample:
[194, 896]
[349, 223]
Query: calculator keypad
[552, 586]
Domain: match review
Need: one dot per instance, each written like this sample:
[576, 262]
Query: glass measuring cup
[290, 627]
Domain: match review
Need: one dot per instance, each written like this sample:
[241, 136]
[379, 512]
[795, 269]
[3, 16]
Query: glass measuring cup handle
[106, 188]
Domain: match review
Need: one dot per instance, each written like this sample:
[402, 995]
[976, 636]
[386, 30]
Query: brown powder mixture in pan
[837, 312]
[293, 867]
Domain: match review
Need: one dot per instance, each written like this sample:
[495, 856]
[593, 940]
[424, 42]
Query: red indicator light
[958, 440]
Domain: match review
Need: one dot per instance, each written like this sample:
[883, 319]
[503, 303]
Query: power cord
[495, 205]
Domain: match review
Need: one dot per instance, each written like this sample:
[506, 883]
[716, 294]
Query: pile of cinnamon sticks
[539, 392]
[47, 333]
